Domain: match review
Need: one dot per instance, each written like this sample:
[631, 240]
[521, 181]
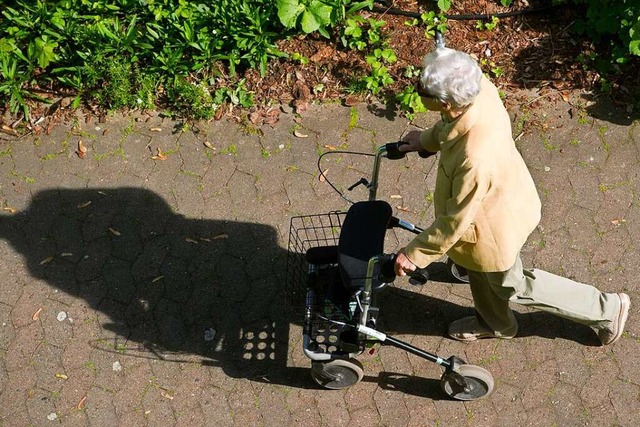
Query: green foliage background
[135, 53]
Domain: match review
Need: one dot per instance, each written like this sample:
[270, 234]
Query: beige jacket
[486, 204]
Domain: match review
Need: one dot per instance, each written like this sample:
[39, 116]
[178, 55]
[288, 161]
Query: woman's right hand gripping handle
[418, 276]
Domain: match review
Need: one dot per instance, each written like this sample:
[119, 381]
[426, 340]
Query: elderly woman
[486, 205]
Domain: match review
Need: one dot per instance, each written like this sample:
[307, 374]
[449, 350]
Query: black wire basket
[310, 234]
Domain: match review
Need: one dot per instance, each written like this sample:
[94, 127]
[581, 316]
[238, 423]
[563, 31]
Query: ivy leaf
[288, 12]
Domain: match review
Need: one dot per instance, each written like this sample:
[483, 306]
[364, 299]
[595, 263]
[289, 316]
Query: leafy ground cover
[208, 60]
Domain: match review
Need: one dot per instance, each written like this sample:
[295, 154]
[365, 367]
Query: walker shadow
[163, 286]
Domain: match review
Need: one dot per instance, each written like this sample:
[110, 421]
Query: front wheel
[468, 382]
[337, 374]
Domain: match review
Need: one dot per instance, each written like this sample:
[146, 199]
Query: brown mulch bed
[533, 49]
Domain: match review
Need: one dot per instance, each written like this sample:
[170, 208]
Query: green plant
[410, 102]
[237, 96]
[613, 25]
[99, 48]
[433, 22]
[317, 15]
[379, 76]
[488, 25]
[191, 100]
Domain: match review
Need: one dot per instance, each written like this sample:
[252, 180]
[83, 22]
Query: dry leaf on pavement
[36, 315]
[80, 405]
[82, 150]
[160, 155]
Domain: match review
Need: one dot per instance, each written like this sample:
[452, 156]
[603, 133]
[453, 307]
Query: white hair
[451, 76]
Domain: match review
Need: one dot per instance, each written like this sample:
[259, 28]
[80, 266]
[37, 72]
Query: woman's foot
[468, 329]
[612, 333]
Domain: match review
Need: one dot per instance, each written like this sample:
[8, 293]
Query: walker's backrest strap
[361, 237]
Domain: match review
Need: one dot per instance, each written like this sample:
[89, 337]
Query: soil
[535, 48]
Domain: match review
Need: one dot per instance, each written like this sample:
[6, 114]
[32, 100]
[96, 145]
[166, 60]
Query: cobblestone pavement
[143, 284]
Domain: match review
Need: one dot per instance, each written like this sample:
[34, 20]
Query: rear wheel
[469, 382]
[460, 273]
[337, 374]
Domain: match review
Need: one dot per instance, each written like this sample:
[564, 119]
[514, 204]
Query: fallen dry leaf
[156, 129]
[396, 196]
[565, 96]
[330, 147]
[84, 205]
[208, 145]
[82, 150]
[47, 260]
[618, 221]
[114, 231]
[351, 101]
[299, 134]
[402, 208]
[160, 155]
[255, 117]
[219, 113]
[62, 376]
[166, 395]
[9, 130]
[80, 404]
[323, 174]
[36, 315]
[10, 209]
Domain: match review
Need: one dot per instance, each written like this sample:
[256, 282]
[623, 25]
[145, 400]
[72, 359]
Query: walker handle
[419, 276]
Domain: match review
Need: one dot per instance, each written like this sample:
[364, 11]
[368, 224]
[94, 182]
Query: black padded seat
[361, 237]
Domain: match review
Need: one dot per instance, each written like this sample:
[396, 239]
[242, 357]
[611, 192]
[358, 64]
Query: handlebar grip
[425, 154]
[393, 150]
[419, 276]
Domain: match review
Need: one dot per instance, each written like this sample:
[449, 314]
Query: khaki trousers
[538, 289]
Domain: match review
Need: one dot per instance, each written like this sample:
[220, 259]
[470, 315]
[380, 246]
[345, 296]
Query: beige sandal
[468, 329]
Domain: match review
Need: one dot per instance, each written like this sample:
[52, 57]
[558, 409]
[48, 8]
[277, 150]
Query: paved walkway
[142, 285]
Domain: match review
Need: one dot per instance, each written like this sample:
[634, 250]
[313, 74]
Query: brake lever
[362, 181]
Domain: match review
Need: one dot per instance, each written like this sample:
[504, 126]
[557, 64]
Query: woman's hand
[412, 139]
[403, 264]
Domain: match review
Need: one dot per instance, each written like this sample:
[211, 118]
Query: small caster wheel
[469, 382]
[337, 374]
[460, 273]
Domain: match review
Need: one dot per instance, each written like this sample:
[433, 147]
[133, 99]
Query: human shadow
[168, 287]
[163, 286]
